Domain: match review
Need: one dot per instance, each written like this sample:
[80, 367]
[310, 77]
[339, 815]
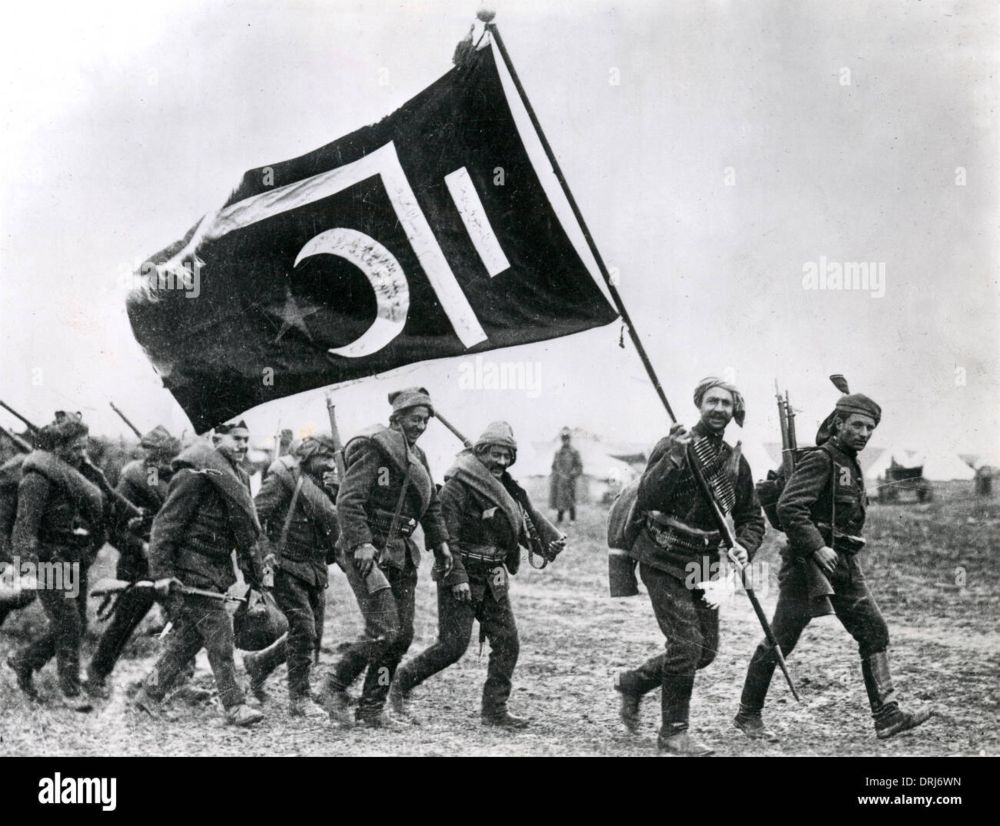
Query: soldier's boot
[260, 664]
[306, 707]
[76, 702]
[752, 725]
[501, 718]
[337, 703]
[146, 702]
[24, 674]
[96, 685]
[399, 702]
[379, 720]
[890, 719]
[243, 716]
[629, 702]
[674, 739]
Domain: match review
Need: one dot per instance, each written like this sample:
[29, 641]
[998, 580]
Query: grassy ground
[932, 568]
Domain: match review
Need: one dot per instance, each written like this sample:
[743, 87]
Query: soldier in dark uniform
[484, 510]
[567, 467]
[143, 482]
[676, 549]
[208, 512]
[10, 478]
[822, 510]
[387, 488]
[59, 512]
[297, 512]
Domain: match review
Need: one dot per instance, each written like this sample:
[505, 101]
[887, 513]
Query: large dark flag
[423, 236]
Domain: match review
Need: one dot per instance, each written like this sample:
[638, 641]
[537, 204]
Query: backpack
[770, 489]
[623, 527]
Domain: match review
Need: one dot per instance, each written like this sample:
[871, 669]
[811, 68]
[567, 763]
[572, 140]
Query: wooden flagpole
[612, 289]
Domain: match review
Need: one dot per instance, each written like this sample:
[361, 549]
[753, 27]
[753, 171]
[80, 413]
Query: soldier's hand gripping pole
[730, 542]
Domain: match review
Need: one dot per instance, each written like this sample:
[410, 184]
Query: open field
[933, 569]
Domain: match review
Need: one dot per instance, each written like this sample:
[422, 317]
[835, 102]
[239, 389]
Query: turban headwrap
[321, 445]
[62, 431]
[846, 405]
[498, 433]
[159, 440]
[739, 405]
[411, 397]
[229, 427]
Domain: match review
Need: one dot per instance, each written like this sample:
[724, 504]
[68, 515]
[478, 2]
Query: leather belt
[669, 532]
[489, 554]
[380, 521]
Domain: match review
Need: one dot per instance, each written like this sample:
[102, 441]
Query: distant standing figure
[566, 467]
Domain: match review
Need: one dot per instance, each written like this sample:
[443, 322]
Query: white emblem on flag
[477, 223]
[384, 273]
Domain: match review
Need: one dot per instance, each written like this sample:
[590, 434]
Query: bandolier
[678, 548]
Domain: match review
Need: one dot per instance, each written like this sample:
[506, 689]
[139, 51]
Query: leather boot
[24, 674]
[890, 720]
[758, 679]
[242, 716]
[260, 664]
[752, 725]
[501, 718]
[337, 703]
[628, 710]
[676, 701]
[399, 702]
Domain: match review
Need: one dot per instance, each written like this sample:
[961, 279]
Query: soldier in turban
[822, 510]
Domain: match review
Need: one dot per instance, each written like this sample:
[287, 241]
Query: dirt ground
[932, 568]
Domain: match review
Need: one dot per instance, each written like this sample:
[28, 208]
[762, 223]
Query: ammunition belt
[490, 554]
[672, 534]
[380, 522]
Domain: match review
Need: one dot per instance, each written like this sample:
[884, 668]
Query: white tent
[945, 466]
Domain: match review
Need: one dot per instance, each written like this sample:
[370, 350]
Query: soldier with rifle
[207, 514]
[143, 482]
[678, 548]
[61, 513]
[488, 516]
[387, 490]
[822, 511]
[297, 512]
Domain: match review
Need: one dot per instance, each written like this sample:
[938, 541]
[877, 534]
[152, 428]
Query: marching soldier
[208, 512]
[386, 491]
[676, 549]
[297, 512]
[822, 510]
[566, 469]
[485, 511]
[143, 482]
[59, 512]
[10, 478]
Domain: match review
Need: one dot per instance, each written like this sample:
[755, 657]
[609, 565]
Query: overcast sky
[718, 150]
